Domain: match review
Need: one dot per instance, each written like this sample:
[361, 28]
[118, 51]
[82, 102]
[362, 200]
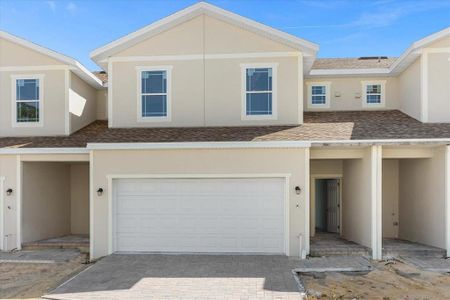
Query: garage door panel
[199, 215]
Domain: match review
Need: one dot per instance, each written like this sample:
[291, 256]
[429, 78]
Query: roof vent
[102, 72]
[372, 57]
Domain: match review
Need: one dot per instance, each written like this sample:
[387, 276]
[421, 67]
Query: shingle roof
[352, 63]
[318, 126]
[102, 75]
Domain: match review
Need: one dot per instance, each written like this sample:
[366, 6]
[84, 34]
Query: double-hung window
[259, 91]
[318, 94]
[154, 94]
[373, 93]
[27, 97]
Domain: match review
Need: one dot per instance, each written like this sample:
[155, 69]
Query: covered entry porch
[393, 200]
[341, 202]
[414, 205]
[55, 205]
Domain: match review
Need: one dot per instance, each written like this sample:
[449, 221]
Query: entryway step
[80, 242]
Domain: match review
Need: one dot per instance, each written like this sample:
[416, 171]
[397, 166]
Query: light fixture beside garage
[298, 190]
[9, 192]
[100, 192]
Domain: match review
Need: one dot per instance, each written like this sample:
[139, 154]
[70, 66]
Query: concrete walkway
[47, 256]
[147, 276]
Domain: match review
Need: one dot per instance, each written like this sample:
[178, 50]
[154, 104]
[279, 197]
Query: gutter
[44, 151]
[385, 142]
[200, 145]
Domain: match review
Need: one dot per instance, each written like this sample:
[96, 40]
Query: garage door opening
[200, 215]
[55, 205]
[413, 207]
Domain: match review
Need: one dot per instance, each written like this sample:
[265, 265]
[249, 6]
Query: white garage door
[199, 215]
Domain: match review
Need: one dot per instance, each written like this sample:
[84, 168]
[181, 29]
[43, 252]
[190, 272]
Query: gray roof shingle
[318, 126]
[352, 63]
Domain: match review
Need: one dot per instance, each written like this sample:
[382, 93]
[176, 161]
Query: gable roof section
[76, 67]
[396, 67]
[308, 48]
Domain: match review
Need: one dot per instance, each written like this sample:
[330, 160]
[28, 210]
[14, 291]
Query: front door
[333, 205]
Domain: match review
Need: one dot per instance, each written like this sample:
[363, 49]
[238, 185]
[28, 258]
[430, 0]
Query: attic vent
[372, 57]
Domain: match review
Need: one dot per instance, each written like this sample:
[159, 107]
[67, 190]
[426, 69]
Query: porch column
[376, 200]
[306, 198]
[447, 200]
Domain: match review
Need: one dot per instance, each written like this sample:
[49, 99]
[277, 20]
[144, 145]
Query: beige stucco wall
[441, 43]
[409, 85]
[102, 104]
[79, 198]
[221, 37]
[180, 40]
[243, 161]
[205, 91]
[348, 87]
[326, 166]
[439, 86]
[45, 200]
[8, 170]
[422, 200]
[13, 54]
[390, 197]
[356, 200]
[82, 103]
[53, 104]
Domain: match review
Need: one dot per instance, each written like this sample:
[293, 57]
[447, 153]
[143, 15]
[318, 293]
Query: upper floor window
[373, 93]
[27, 98]
[318, 94]
[259, 91]
[154, 94]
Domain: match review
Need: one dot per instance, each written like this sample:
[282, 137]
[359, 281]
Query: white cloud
[71, 7]
[51, 5]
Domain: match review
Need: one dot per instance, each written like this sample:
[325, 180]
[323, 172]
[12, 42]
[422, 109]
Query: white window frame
[382, 103]
[274, 115]
[14, 79]
[168, 70]
[327, 85]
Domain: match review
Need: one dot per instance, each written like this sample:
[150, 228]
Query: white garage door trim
[195, 176]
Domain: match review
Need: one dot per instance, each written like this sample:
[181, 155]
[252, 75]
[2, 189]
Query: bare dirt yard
[388, 280]
[33, 280]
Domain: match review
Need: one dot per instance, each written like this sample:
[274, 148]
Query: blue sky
[342, 28]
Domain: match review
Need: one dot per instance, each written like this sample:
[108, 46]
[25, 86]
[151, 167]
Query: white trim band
[198, 145]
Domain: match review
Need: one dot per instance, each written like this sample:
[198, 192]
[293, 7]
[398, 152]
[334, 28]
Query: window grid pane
[27, 111]
[27, 101]
[154, 106]
[318, 94]
[258, 91]
[373, 94]
[259, 104]
[154, 93]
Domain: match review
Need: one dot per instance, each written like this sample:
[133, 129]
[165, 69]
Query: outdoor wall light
[100, 191]
[9, 192]
[298, 190]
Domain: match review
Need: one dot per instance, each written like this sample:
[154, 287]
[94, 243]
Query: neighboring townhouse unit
[210, 132]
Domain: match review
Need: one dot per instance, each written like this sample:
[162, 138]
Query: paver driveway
[150, 276]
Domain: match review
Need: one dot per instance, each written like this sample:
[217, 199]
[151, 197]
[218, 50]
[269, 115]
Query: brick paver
[146, 276]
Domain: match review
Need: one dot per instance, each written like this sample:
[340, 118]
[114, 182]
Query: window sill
[258, 117]
[27, 125]
[154, 119]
